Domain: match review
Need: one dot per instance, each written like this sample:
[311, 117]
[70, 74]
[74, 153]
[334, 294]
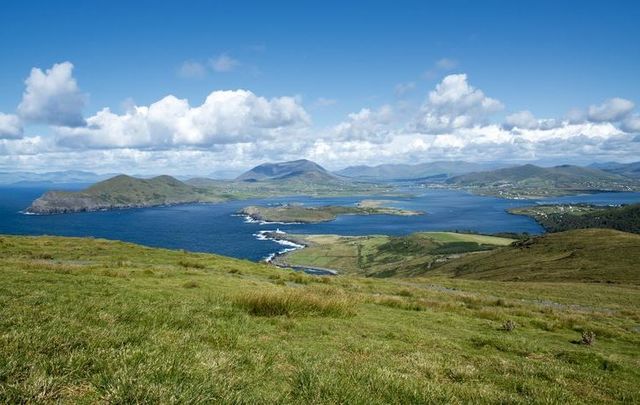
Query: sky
[216, 87]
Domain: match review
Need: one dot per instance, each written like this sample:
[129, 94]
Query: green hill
[534, 181]
[121, 192]
[564, 217]
[588, 255]
[95, 321]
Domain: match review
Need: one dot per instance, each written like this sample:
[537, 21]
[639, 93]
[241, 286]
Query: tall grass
[296, 302]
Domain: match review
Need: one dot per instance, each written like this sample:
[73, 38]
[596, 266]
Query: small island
[297, 213]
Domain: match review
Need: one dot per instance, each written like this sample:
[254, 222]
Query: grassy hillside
[85, 320]
[558, 218]
[590, 255]
[534, 181]
[122, 192]
[385, 256]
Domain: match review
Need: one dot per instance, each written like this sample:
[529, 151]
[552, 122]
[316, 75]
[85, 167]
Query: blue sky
[333, 58]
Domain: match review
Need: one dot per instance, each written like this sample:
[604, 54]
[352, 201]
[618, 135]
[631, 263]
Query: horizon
[232, 88]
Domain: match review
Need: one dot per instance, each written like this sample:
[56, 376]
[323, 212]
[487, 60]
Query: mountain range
[531, 180]
[421, 171]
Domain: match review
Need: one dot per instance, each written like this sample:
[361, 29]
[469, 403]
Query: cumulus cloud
[53, 97]
[192, 70]
[613, 109]
[225, 117]
[454, 104]
[10, 126]
[365, 125]
[521, 119]
[224, 63]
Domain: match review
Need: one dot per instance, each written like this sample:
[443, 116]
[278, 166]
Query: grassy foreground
[87, 320]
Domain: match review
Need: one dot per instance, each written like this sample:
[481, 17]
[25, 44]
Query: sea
[216, 228]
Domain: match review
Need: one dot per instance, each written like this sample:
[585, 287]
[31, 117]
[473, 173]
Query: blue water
[213, 228]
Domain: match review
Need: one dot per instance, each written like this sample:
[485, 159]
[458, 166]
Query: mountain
[587, 255]
[121, 192]
[298, 169]
[531, 180]
[61, 177]
[623, 169]
[433, 170]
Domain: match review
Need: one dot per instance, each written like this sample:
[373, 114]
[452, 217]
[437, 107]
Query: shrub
[295, 302]
[588, 337]
[509, 325]
[189, 264]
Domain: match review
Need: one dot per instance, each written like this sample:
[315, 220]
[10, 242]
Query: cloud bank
[234, 129]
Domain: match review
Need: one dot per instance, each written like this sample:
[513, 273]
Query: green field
[386, 256]
[88, 320]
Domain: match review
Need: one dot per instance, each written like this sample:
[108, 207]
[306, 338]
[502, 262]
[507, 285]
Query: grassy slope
[85, 320]
[595, 255]
[558, 218]
[384, 256]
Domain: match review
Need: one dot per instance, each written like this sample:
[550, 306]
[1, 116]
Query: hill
[431, 170]
[589, 255]
[623, 169]
[534, 181]
[302, 169]
[96, 321]
[121, 192]
[558, 218]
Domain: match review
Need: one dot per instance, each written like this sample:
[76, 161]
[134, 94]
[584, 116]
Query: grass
[296, 302]
[590, 255]
[89, 320]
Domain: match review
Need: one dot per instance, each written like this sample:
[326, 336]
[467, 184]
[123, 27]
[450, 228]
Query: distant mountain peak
[286, 170]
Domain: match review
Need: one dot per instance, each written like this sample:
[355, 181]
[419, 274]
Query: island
[298, 213]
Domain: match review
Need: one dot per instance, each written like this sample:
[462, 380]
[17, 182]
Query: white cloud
[613, 110]
[365, 125]
[192, 70]
[402, 89]
[10, 126]
[224, 63]
[521, 119]
[225, 117]
[53, 97]
[631, 124]
[454, 104]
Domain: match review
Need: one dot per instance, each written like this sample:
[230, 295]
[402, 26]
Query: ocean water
[214, 228]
